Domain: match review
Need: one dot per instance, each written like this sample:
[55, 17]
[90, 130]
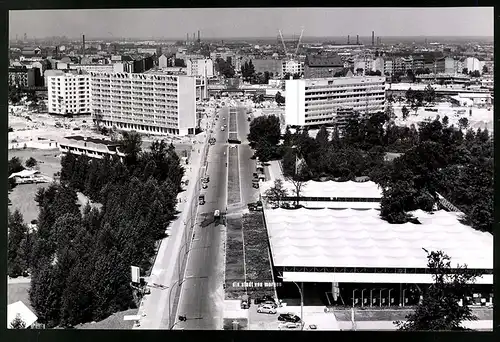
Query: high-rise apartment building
[148, 103]
[200, 67]
[69, 93]
[316, 101]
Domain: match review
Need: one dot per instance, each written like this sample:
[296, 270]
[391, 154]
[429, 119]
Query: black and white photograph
[279, 169]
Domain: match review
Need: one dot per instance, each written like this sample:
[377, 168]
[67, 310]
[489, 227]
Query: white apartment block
[292, 67]
[200, 67]
[69, 94]
[152, 103]
[115, 67]
[316, 101]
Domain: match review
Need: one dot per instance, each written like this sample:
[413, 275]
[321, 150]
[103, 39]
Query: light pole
[301, 302]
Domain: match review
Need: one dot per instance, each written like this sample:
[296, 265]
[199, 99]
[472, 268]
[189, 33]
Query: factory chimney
[373, 37]
[83, 46]
[348, 40]
[357, 39]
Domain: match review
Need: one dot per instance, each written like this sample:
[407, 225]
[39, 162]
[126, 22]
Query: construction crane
[283, 41]
[298, 44]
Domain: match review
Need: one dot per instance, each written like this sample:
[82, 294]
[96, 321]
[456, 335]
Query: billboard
[136, 274]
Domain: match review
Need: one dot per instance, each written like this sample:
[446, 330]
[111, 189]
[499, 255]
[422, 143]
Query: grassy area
[233, 178]
[258, 266]
[48, 162]
[18, 292]
[242, 323]
[23, 195]
[232, 122]
[234, 258]
[395, 315]
[23, 198]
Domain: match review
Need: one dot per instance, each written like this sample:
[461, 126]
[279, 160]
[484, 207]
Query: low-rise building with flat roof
[91, 147]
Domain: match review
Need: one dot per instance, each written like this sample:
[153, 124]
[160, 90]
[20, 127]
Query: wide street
[202, 293]
[247, 165]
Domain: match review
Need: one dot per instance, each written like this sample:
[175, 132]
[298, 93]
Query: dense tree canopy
[81, 261]
[440, 309]
[264, 137]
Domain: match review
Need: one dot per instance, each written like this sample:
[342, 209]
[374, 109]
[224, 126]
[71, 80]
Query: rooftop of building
[360, 238]
[80, 138]
[319, 60]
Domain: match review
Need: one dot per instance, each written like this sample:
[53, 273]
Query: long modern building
[317, 101]
[148, 103]
[69, 93]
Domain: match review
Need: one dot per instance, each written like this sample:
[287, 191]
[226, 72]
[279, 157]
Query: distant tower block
[348, 40]
[198, 36]
[187, 37]
[83, 45]
[373, 37]
[357, 39]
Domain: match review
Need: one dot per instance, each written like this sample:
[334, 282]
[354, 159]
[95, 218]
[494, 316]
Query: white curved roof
[359, 238]
[347, 189]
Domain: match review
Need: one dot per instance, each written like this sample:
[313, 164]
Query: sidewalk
[154, 308]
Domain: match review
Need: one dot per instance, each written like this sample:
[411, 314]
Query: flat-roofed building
[148, 103]
[200, 67]
[69, 93]
[311, 102]
[93, 148]
[317, 66]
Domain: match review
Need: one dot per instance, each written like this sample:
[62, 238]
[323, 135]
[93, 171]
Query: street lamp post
[301, 302]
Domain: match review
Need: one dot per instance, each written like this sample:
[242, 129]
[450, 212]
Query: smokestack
[83, 46]
[373, 37]
[198, 36]
[348, 40]
[357, 39]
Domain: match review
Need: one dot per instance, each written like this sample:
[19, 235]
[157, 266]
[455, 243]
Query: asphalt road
[202, 294]
[247, 165]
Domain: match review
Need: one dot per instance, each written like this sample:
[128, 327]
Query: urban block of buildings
[320, 101]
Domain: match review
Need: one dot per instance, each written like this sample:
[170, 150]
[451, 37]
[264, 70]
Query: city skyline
[176, 23]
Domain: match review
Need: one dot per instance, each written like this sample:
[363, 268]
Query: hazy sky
[253, 22]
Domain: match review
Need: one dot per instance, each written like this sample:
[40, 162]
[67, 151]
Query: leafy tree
[405, 112]
[445, 121]
[279, 98]
[323, 137]
[485, 69]
[15, 165]
[429, 94]
[440, 309]
[18, 323]
[15, 95]
[463, 123]
[265, 134]
[465, 71]
[17, 233]
[31, 162]
[475, 73]
[277, 193]
[131, 145]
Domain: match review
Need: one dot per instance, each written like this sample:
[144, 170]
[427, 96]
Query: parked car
[204, 186]
[264, 299]
[266, 308]
[289, 317]
[255, 185]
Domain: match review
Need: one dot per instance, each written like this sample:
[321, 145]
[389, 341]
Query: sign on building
[136, 274]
